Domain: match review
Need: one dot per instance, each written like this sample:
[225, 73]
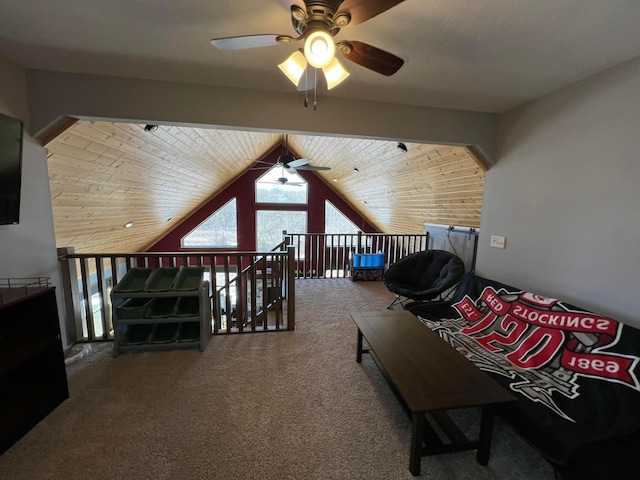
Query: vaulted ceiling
[105, 174]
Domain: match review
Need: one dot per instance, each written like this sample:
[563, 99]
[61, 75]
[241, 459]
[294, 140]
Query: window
[271, 223]
[280, 186]
[335, 221]
[220, 230]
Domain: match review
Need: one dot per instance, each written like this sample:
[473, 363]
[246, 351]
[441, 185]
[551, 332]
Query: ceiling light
[294, 66]
[319, 52]
[128, 224]
[319, 49]
[334, 73]
[150, 128]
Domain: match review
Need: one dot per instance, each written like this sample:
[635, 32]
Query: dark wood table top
[428, 373]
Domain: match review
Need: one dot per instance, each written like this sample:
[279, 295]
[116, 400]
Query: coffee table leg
[359, 349]
[415, 455]
[486, 429]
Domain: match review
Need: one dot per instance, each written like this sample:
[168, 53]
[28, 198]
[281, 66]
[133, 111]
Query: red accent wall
[243, 189]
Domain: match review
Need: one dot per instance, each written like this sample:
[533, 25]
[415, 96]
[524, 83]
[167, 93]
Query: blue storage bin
[373, 261]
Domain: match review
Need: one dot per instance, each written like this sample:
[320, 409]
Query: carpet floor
[283, 405]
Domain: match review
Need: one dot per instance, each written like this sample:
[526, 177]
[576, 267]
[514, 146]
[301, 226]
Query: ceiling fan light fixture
[334, 73]
[294, 66]
[319, 48]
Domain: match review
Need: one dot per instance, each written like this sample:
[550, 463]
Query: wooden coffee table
[429, 376]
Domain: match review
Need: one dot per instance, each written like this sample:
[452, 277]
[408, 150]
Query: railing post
[71, 293]
[291, 293]
[105, 303]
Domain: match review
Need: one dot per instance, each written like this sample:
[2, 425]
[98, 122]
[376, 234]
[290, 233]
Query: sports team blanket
[574, 372]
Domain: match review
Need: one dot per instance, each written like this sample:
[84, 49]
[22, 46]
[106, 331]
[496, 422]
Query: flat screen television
[10, 169]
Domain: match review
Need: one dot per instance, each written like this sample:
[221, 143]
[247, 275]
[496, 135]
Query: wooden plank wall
[104, 175]
[402, 190]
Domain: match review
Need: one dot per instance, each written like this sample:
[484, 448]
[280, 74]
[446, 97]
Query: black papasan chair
[423, 276]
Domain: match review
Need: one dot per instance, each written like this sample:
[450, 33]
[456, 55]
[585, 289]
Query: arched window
[278, 185]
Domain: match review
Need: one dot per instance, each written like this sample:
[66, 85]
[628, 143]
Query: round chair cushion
[424, 275]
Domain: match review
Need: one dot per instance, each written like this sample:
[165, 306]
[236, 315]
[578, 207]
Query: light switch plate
[498, 242]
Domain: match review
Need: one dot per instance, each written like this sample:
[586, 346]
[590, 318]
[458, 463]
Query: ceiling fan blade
[371, 57]
[292, 184]
[298, 163]
[250, 41]
[311, 167]
[363, 10]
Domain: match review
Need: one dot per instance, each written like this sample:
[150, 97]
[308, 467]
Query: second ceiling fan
[317, 22]
[290, 164]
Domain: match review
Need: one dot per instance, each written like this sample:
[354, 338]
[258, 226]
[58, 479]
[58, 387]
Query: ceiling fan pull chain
[315, 88]
[306, 91]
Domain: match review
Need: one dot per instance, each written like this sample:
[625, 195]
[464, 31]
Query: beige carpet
[289, 405]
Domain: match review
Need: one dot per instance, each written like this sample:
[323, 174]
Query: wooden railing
[320, 255]
[250, 291]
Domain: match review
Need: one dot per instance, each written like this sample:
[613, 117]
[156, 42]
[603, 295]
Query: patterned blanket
[574, 372]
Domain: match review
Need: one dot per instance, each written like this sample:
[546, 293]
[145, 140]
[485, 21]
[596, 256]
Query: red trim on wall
[243, 189]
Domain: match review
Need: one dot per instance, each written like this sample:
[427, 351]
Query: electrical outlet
[498, 242]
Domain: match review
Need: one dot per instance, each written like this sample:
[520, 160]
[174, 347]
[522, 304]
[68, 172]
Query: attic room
[540, 99]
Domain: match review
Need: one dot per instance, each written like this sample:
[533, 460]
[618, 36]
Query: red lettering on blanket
[537, 349]
[601, 365]
[468, 310]
[538, 300]
[494, 302]
[486, 322]
[578, 322]
[534, 337]
[514, 329]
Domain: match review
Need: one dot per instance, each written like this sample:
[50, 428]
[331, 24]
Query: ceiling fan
[317, 22]
[290, 164]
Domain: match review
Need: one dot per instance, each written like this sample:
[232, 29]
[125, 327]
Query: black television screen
[10, 169]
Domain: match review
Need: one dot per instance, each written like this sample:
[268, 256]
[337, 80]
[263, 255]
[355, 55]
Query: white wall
[566, 194]
[28, 249]
[55, 94]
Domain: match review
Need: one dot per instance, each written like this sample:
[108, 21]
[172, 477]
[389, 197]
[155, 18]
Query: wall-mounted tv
[10, 169]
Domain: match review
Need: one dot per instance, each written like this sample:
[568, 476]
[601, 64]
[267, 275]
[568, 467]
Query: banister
[88, 277]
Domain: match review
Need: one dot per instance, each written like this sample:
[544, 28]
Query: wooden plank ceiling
[105, 174]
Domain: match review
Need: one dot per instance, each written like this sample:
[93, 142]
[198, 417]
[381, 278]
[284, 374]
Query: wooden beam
[58, 128]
